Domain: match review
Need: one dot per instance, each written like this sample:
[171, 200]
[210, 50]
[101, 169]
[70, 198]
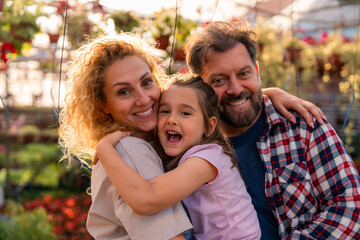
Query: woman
[116, 86]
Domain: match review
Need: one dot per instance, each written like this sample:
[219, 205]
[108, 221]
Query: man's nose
[234, 87]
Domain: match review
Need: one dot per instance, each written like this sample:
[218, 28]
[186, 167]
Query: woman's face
[132, 94]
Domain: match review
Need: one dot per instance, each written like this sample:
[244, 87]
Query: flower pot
[53, 38]
[179, 54]
[162, 42]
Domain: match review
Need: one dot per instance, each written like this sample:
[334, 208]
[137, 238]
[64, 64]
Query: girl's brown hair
[208, 103]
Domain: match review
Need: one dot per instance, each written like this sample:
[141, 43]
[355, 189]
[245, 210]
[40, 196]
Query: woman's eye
[148, 82]
[123, 92]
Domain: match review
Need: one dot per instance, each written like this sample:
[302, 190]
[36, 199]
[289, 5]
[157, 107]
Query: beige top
[110, 217]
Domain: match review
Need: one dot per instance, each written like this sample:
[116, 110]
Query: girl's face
[132, 94]
[181, 122]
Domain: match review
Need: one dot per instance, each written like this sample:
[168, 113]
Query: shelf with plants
[18, 25]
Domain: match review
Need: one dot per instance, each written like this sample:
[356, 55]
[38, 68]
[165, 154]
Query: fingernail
[292, 120]
[312, 125]
[321, 121]
[324, 117]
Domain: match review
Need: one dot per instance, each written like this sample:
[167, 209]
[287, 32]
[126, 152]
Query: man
[303, 183]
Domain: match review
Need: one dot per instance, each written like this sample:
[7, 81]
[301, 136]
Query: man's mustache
[231, 98]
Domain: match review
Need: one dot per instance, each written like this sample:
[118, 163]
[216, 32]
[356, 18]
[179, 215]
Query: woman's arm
[284, 101]
[161, 192]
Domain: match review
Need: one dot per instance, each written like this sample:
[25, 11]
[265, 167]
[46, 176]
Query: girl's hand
[284, 101]
[111, 138]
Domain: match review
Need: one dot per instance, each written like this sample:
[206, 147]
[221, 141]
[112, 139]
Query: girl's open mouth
[173, 137]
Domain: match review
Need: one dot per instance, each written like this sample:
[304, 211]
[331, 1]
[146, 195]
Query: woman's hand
[111, 138]
[284, 101]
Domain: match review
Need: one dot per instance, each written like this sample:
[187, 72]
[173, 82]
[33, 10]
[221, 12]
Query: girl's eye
[186, 113]
[164, 111]
[124, 92]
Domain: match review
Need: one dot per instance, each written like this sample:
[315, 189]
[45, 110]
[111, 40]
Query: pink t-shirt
[222, 208]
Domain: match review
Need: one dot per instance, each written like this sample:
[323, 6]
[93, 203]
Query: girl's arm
[284, 101]
[161, 192]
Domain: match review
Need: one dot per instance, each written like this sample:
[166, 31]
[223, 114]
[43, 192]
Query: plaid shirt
[310, 180]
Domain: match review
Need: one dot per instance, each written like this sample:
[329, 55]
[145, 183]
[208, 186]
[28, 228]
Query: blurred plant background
[43, 198]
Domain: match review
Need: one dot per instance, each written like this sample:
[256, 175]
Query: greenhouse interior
[308, 48]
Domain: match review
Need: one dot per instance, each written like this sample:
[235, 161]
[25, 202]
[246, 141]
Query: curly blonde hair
[82, 123]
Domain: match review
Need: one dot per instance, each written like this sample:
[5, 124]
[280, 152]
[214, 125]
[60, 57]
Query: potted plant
[162, 26]
[125, 21]
[17, 24]
[52, 25]
[80, 28]
[30, 133]
[184, 28]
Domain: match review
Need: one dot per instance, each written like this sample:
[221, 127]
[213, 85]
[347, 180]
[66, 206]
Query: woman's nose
[142, 98]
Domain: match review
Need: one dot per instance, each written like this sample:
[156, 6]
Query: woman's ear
[104, 109]
[212, 125]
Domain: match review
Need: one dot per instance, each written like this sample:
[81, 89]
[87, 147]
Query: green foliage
[37, 153]
[18, 22]
[35, 163]
[19, 224]
[80, 29]
[125, 21]
[163, 24]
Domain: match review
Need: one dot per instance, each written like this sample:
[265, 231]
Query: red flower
[310, 40]
[69, 213]
[70, 226]
[5, 47]
[57, 229]
[47, 198]
[323, 37]
[62, 7]
[70, 202]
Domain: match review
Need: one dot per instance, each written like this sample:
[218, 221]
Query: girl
[203, 170]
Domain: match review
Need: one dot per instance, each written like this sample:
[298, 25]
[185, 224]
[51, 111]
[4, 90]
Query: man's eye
[217, 82]
[244, 74]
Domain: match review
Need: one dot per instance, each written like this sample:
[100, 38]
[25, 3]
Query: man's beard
[241, 118]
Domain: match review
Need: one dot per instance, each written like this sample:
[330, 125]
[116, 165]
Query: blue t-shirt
[253, 172]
